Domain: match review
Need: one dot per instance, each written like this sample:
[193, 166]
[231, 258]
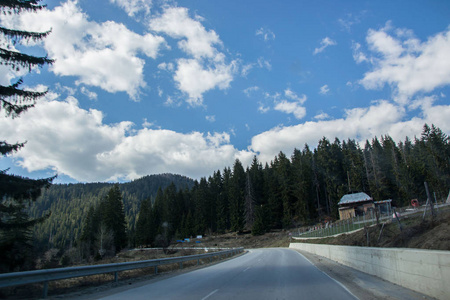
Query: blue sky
[145, 87]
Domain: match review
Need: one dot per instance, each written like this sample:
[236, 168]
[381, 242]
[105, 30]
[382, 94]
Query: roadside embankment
[424, 271]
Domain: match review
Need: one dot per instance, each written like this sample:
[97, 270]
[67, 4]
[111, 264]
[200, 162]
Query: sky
[142, 87]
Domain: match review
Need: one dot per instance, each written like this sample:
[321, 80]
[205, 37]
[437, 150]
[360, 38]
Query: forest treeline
[299, 190]
[288, 191]
[69, 206]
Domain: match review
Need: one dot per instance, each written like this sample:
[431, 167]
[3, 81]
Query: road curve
[260, 274]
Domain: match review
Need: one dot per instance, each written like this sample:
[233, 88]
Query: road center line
[209, 295]
[246, 269]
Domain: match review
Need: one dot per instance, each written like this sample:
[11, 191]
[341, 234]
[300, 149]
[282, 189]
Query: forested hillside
[70, 203]
[300, 189]
[288, 191]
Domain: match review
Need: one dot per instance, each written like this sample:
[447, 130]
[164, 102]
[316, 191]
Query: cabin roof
[354, 198]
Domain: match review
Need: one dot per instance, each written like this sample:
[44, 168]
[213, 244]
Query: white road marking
[246, 269]
[209, 295]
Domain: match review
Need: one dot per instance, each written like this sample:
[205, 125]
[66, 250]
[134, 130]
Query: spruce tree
[237, 197]
[15, 191]
[114, 217]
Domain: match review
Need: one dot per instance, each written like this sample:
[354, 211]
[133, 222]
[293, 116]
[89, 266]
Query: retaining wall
[424, 271]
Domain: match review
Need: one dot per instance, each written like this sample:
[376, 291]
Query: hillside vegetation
[69, 205]
[287, 192]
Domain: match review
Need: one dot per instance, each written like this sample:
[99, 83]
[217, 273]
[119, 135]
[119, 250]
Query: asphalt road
[260, 274]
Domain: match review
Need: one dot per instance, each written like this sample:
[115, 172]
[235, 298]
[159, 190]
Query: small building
[352, 205]
[384, 206]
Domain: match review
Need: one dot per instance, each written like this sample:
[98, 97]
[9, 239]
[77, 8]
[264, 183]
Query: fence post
[45, 290]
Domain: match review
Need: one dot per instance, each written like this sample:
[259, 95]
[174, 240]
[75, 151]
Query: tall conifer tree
[16, 191]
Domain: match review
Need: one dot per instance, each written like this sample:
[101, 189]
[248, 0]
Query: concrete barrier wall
[424, 271]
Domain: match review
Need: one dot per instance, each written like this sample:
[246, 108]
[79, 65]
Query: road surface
[260, 274]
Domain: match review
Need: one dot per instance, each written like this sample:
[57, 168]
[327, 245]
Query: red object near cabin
[415, 203]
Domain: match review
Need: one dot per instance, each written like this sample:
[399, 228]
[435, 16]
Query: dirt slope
[429, 234]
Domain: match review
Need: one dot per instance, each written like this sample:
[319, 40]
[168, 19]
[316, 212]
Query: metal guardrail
[27, 277]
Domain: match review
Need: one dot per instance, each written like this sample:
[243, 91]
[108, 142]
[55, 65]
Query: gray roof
[353, 198]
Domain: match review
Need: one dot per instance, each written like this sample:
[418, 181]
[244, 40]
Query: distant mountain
[69, 204]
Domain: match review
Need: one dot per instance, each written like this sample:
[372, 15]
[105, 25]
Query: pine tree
[223, 205]
[16, 191]
[114, 217]
[144, 234]
[237, 194]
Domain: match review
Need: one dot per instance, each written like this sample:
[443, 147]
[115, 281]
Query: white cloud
[133, 7]
[248, 91]
[266, 34]
[324, 90]
[75, 142]
[293, 96]
[147, 124]
[193, 79]
[263, 63]
[98, 54]
[196, 40]
[166, 66]
[408, 65]
[326, 42]
[207, 69]
[351, 19]
[262, 108]
[91, 95]
[358, 55]
[379, 119]
[211, 118]
[321, 116]
[294, 108]
[246, 69]
[290, 107]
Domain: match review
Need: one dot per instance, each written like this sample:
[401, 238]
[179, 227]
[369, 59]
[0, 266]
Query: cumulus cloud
[326, 42]
[97, 54]
[193, 79]
[207, 69]
[73, 141]
[195, 39]
[291, 107]
[408, 65]
[381, 118]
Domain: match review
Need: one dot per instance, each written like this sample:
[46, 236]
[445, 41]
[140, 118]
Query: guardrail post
[45, 291]
[116, 277]
[198, 261]
[156, 269]
[181, 265]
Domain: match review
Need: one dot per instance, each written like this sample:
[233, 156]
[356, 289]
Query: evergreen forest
[289, 191]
